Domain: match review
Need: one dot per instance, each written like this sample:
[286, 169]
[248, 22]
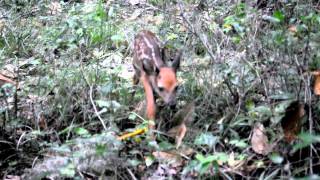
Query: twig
[34, 161]
[140, 117]
[95, 110]
[23, 134]
[6, 142]
[131, 174]
[90, 94]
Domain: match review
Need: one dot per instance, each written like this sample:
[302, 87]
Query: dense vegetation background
[251, 69]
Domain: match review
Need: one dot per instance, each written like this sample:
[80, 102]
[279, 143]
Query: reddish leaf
[291, 122]
[316, 87]
[4, 79]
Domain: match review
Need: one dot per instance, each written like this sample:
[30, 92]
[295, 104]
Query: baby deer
[157, 75]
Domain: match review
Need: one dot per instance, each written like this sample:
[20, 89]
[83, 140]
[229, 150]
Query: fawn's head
[163, 79]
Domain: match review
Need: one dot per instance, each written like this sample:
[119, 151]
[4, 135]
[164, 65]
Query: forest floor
[69, 108]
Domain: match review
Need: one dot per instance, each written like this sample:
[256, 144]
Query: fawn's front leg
[151, 107]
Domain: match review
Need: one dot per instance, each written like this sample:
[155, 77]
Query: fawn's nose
[172, 104]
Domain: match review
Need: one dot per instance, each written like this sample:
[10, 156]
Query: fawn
[157, 75]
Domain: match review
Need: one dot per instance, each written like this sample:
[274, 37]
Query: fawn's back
[148, 62]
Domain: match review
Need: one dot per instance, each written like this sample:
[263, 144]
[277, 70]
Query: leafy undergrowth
[247, 96]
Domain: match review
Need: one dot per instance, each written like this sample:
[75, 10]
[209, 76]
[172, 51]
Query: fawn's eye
[161, 89]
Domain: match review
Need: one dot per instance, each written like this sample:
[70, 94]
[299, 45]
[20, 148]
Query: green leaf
[250, 105]
[153, 144]
[149, 160]
[276, 158]
[68, 171]
[238, 27]
[221, 156]
[95, 37]
[79, 31]
[270, 18]
[282, 106]
[164, 145]
[236, 39]
[306, 140]
[262, 110]
[81, 131]
[278, 15]
[117, 38]
[204, 160]
[133, 162]
[172, 36]
[283, 96]
[107, 88]
[206, 139]
[108, 104]
[132, 116]
[101, 149]
[239, 143]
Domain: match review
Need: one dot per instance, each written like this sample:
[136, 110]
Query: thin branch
[131, 174]
[95, 110]
[90, 94]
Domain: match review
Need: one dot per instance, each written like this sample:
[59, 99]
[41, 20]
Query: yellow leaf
[132, 134]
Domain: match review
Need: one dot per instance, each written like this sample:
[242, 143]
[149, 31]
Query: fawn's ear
[149, 67]
[165, 55]
[176, 61]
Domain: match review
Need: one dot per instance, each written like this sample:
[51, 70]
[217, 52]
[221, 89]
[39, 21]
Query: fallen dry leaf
[178, 132]
[156, 20]
[135, 15]
[9, 70]
[293, 29]
[291, 122]
[55, 7]
[163, 171]
[164, 156]
[259, 140]
[4, 79]
[173, 159]
[179, 129]
[233, 163]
